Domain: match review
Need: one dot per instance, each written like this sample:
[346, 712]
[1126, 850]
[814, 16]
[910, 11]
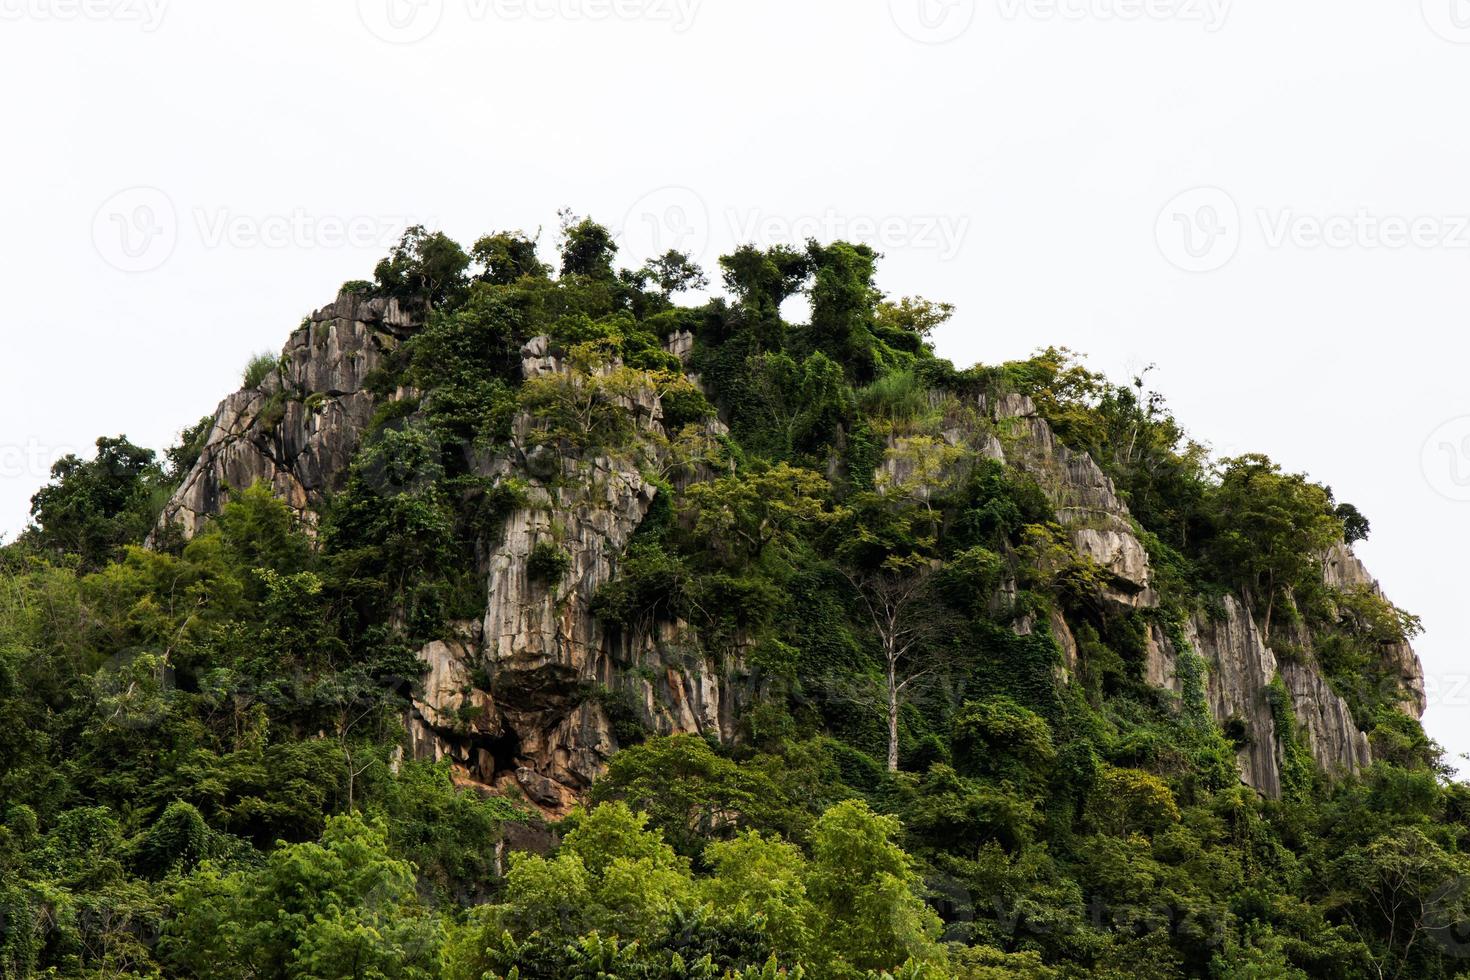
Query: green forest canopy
[198, 765]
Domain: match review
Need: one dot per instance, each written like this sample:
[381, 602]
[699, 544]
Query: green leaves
[426, 269]
[341, 908]
[92, 508]
[742, 517]
[853, 905]
[1272, 528]
[692, 795]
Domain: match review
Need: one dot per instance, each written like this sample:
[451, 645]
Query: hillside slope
[300, 430]
[520, 619]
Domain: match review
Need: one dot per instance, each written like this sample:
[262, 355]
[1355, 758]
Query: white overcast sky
[1267, 200]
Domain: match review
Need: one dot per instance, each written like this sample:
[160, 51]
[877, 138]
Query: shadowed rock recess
[505, 695]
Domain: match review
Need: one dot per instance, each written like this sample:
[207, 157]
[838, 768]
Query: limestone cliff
[534, 691]
[1240, 665]
[298, 431]
[556, 674]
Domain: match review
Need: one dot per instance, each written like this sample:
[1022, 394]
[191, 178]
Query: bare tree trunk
[1270, 607]
[892, 717]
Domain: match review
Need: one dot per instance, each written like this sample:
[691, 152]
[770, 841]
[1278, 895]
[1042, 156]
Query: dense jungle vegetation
[199, 774]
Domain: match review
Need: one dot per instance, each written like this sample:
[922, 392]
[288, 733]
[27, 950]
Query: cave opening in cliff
[504, 750]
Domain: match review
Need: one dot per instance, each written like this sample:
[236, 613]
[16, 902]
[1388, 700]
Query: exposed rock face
[1343, 570]
[1240, 668]
[558, 676]
[533, 694]
[1084, 498]
[1334, 738]
[300, 429]
[1240, 665]
[453, 719]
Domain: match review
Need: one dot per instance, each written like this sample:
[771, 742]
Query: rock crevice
[299, 430]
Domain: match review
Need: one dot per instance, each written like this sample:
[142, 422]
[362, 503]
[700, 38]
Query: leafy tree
[1410, 893]
[393, 525]
[425, 268]
[763, 280]
[998, 737]
[1272, 528]
[587, 404]
[611, 876]
[909, 324]
[1355, 526]
[675, 272]
[865, 889]
[691, 794]
[91, 508]
[1129, 801]
[587, 249]
[508, 257]
[765, 877]
[844, 308]
[341, 908]
[180, 458]
[740, 517]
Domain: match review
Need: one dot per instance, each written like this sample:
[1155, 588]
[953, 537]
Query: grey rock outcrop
[558, 676]
[1085, 500]
[452, 718]
[1239, 671]
[299, 430]
[533, 695]
[1240, 666]
[1343, 570]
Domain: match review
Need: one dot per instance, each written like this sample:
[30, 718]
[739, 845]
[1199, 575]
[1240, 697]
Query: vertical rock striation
[299, 430]
[1240, 664]
[535, 692]
[561, 679]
